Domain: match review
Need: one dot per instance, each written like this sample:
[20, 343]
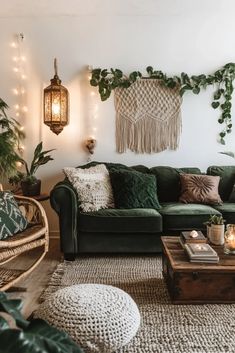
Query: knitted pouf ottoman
[98, 317]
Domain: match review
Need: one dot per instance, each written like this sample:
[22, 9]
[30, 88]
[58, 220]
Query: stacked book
[197, 248]
[186, 237]
[201, 252]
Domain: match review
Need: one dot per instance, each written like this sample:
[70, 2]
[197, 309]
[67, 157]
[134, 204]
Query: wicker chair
[34, 236]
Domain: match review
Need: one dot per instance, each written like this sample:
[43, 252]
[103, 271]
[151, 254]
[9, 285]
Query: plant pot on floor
[31, 188]
[216, 234]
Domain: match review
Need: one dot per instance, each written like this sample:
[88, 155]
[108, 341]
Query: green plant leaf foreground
[35, 336]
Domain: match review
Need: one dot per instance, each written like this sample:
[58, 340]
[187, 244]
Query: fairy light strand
[92, 109]
[19, 91]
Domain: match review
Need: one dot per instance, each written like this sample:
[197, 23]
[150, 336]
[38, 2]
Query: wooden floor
[37, 281]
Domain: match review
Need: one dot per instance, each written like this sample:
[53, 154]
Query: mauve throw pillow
[200, 189]
[132, 189]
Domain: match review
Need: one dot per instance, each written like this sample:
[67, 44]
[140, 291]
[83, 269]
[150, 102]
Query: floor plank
[37, 281]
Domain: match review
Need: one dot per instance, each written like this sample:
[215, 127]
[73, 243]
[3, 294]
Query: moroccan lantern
[56, 104]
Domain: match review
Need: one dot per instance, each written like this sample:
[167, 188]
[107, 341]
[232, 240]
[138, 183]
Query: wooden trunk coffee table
[197, 283]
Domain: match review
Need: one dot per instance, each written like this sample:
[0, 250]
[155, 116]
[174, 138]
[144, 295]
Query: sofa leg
[69, 256]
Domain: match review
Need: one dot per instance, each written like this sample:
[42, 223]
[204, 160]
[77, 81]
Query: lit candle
[231, 241]
[229, 237]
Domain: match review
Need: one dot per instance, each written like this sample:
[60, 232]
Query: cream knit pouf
[100, 318]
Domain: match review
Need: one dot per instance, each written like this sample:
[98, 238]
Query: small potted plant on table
[215, 229]
[30, 185]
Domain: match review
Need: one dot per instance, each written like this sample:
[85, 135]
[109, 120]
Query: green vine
[222, 79]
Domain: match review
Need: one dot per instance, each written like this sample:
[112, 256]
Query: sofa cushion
[232, 195]
[118, 220]
[180, 216]
[200, 189]
[12, 220]
[140, 168]
[132, 189]
[92, 186]
[227, 179]
[168, 181]
[228, 211]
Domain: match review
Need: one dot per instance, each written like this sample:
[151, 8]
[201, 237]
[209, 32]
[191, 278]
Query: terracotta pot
[29, 189]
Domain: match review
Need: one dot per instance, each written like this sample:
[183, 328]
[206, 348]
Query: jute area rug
[165, 328]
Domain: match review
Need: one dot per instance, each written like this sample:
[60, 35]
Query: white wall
[173, 36]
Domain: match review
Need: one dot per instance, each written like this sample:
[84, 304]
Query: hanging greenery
[222, 80]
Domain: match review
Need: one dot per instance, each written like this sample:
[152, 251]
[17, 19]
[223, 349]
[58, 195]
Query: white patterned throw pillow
[93, 187]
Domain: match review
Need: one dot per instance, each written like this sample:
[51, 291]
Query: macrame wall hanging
[148, 117]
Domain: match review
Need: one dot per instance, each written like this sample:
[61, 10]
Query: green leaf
[118, 73]
[227, 105]
[3, 324]
[149, 70]
[38, 149]
[222, 141]
[196, 90]
[39, 338]
[170, 83]
[226, 115]
[133, 76]
[12, 307]
[104, 73]
[215, 105]
[229, 153]
[185, 78]
[217, 95]
[96, 71]
[93, 82]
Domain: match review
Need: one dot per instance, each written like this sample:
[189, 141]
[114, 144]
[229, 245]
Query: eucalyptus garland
[222, 79]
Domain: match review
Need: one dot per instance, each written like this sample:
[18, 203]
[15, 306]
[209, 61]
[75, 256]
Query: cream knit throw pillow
[93, 187]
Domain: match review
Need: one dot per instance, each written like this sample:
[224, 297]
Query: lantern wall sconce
[56, 104]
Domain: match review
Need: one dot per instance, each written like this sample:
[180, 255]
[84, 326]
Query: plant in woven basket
[10, 136]
[30, 185]
[23, 336]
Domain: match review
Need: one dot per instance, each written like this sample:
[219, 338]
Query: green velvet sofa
[136, 230]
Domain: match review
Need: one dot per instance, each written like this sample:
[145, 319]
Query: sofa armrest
[64, 201]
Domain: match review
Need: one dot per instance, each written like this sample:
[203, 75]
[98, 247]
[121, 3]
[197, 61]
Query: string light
[19, 59]
[18, 164]
[92, 114]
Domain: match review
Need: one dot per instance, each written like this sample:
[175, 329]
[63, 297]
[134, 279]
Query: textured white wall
[173, 36]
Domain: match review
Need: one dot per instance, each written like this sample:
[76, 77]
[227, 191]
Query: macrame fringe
[148, 117]
[147, 135]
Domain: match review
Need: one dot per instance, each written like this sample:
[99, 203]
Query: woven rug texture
[165, 328]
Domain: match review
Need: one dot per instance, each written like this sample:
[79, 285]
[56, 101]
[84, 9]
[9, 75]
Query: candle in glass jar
[231, 241]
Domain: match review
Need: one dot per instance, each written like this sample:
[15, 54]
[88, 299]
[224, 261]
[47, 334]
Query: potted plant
[21, 336]
[30, 185]
[215, 229]
[11, 135]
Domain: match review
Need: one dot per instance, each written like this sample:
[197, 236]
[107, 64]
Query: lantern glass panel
[47, 107]
[64, 106]
[55, 106]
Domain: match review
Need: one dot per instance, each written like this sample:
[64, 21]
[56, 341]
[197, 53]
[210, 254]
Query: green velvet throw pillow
[134, 189]
[12, 220]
